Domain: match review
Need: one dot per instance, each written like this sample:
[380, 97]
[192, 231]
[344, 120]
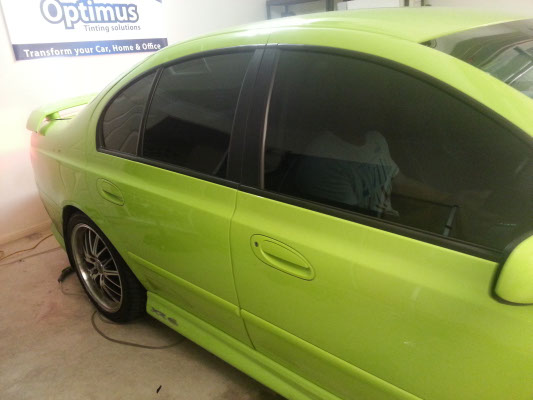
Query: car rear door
[165, 196]
[381, 303]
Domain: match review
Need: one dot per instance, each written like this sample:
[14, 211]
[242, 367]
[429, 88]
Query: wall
[25, 85]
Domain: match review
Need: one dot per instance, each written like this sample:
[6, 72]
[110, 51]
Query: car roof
[416, 24]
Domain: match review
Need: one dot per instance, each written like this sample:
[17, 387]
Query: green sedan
[340, 204]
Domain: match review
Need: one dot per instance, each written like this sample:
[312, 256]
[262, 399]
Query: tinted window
[503, 50]
[122, 119]
[191, 116]
[358, 136]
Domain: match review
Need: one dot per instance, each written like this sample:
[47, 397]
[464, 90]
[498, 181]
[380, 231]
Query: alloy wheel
[97, 268]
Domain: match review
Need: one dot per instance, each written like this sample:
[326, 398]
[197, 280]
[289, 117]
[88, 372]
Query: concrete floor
[49, 349]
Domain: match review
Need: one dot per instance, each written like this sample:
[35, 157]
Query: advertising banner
[55, 28]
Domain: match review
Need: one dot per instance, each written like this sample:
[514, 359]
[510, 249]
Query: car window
[365, 138]
[191, 116]
[122, 118]
[503, 50]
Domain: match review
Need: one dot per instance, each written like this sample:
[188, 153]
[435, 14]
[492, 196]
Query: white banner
[52, 28]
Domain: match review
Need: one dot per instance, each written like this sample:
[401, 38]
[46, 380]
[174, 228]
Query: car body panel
[382, 316]
[185, 235]
[312, 362]
[243, 357]
[415, 24]
[58, 158]
[381, 302]
[183, 242]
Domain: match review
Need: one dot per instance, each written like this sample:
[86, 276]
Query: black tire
[98, 278]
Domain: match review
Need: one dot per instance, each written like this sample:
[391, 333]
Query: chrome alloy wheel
[97, 267]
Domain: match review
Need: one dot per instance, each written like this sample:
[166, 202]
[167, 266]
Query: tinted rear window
[503, 50]
[191, 115]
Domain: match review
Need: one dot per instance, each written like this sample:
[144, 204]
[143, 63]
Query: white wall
[25, 85]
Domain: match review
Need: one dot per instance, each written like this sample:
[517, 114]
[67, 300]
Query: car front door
[165, 196]
[366, 245]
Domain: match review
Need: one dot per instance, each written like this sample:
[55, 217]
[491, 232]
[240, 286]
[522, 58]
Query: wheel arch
[68, 211]
[71, 208]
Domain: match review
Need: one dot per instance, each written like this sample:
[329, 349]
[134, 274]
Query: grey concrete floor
[50, 350]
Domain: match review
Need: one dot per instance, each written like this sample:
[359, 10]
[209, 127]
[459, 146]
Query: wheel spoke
[85, 254]
[112, 293]
[88, 241]
[112, 289]
[112, 281]
[108, 293]
[101, 251]
[108, 272]
[93, 239]
[86, 247]
[95, 245]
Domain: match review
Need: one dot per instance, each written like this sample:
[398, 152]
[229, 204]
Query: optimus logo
[88, 12]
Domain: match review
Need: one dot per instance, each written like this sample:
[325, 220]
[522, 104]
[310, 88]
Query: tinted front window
[358, 136]
[191, 115]
[503, 50]
[122, 119]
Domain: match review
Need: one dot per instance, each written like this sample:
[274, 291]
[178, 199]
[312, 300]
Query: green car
[340, 204]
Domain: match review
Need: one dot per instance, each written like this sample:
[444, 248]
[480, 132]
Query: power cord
[142, 346]
[22, 251]
[66, 272]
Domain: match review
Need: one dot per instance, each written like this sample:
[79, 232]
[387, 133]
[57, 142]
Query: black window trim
[146, 109]
[253, 142]
[252, 182]
[235, 148]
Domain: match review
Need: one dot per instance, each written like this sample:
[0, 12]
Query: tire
[103, 274]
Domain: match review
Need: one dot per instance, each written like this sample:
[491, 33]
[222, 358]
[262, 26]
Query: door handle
[109, 192]
[282, 257]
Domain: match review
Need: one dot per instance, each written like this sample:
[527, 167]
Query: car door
[161, 180]
[370, 285]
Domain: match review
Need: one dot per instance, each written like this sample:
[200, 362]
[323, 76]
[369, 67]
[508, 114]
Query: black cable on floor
[66, 272]
[142, 346]
[24, 250]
